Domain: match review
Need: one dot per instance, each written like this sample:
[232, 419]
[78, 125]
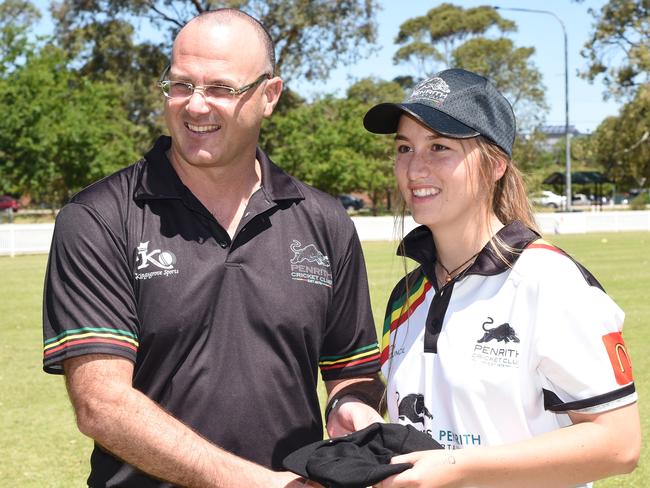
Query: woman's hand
[430, 469]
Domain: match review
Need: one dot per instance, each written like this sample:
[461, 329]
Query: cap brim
[383, 119]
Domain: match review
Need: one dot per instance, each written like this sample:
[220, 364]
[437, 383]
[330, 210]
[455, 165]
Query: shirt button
[223, 244]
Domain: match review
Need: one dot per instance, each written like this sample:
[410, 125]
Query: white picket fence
[36, 238]
[383, 228]
[25, 238]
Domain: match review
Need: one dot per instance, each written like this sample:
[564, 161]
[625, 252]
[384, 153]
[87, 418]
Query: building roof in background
[558, 130]
[577, 177]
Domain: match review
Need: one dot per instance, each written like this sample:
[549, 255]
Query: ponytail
[508, 196]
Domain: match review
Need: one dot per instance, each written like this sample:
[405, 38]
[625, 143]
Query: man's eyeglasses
[185, 89]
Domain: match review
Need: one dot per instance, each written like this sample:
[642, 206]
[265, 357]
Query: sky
[543, 32]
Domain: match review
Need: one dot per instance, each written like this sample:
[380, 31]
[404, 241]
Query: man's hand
[134, 428]
[349, 415]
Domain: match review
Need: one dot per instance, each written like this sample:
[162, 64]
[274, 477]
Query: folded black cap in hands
[359, 459]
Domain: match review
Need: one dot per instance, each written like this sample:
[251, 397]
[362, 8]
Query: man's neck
[223, 191]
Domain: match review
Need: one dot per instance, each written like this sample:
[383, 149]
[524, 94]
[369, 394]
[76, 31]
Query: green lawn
[40, 446]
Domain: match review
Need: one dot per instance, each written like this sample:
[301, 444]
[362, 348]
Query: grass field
[40, 446]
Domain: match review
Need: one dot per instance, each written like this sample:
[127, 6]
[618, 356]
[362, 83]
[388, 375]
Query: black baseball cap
[455, 103]
[359, 459]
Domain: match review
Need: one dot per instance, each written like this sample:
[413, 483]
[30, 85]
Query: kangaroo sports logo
[502, 353]
[501, 333]
[412, 408]
[163, 262]
[309, 264]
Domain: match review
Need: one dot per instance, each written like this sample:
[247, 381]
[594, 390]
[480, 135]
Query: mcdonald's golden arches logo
[619, 357]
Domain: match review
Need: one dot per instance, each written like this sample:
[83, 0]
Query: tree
[325, 144]
[619, 48]
[312, 37]
[622, 144]
[462, 37]
[533, 161]
[371, 91]
[378, 180]
[15, 18]
[446, 25]
[63, 131]
[106, 50]
[315, 145]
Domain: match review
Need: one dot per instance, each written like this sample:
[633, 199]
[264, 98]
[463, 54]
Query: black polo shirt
[224, 334]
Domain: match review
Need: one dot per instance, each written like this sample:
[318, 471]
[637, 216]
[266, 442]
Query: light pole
[567, 135]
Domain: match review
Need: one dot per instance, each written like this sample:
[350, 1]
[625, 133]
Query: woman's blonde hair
[507, 196]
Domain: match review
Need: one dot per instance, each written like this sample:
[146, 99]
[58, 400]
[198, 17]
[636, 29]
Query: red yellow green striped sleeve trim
[89, 335]
[401, 310]
[362, 355]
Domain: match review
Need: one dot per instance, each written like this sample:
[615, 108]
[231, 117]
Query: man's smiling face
[208, 131]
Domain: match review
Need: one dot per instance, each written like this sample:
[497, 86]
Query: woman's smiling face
[437, 176]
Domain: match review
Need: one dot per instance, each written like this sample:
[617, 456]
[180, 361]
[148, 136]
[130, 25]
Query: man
[190, 297]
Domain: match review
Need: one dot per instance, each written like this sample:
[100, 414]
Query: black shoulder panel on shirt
[554, 403]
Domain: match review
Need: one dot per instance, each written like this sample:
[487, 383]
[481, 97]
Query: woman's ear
[501, 164]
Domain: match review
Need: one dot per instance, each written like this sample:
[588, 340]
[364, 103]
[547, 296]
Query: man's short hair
[223, 15]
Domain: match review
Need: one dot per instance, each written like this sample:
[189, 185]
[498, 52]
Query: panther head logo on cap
[432, 90]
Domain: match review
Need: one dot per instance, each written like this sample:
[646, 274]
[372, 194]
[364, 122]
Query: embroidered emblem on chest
[158, 262]
[309, 264]
[488, 349]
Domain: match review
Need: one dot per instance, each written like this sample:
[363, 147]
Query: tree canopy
[84, 103]
[15, 18]
[105, 38]
[446, 26]
[325, 144]
[63, 131]
[619, 47]
[622, 144]
[619, 52]
[312, 37]
[451, 36]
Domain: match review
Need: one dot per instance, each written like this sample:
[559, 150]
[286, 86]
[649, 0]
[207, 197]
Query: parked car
[7, 202]
[580, 199]
[546, 198]
[351, 203]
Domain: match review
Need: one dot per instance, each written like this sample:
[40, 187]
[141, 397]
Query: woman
[498, 345]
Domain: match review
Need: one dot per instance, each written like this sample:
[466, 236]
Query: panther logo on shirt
[308, 253]
[501, 333]
[504, 355]
[412, 407]
[310, 265]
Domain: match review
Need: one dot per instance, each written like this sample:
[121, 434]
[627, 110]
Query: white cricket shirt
[502, 352]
